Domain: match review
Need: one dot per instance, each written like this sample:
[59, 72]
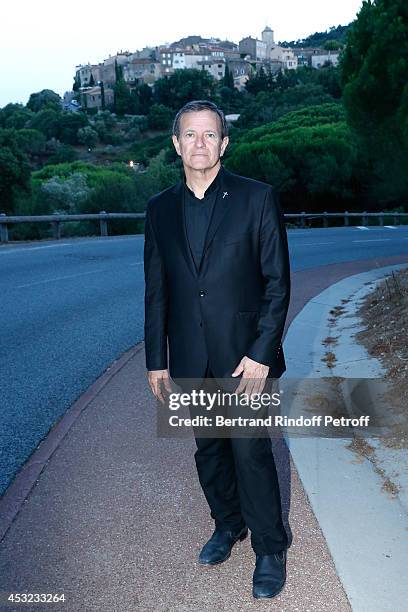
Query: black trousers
[239, 480]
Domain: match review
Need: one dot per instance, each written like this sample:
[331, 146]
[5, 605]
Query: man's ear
[224, 144]
[176, 144]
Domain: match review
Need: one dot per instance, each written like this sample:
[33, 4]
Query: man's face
[200, 145]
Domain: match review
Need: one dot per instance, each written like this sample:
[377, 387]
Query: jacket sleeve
[275, 270]
[156, 301]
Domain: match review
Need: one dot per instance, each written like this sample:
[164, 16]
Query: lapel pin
[224, 193]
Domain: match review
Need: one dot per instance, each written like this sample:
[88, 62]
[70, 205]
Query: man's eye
[211, 135]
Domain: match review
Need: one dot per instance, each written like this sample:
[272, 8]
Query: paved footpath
[113, 517]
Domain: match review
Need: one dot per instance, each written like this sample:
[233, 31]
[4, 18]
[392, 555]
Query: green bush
[308, 155]
[160, 117]
[87, 136]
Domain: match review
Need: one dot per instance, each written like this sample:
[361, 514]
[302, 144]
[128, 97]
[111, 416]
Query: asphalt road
[69, 308]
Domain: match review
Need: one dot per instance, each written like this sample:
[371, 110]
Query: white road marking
[22, 249]
[51, 280]
[362, 227]
[373, 240]
[390, 226]
[314, 243]
[137, 263]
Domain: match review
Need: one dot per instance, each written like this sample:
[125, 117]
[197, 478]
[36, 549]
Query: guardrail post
[346, 217]
[395, 219]
[103, 224]
[364, 218]
[3, 229]
[56, 229]
[325, 223]
[381, 218]
[302, 219]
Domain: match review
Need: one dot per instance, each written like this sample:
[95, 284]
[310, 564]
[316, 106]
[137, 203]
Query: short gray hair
[200, 105]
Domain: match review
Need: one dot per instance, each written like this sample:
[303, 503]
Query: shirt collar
[211, 187]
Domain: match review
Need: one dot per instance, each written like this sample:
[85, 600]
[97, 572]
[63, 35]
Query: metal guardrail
[103, 217]
[56, 219]
[364, 216]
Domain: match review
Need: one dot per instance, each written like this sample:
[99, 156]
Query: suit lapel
[181, 228]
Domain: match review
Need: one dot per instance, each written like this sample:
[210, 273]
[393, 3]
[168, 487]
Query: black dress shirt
[198, 216]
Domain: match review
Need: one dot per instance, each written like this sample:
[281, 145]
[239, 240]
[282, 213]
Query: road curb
[363, 527]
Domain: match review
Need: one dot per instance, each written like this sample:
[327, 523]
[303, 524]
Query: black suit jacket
[236, 303]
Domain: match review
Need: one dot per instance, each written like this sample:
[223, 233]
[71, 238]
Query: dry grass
[363, 449]
[384, 312]
[330, 340]
[329, 359]
[337, 311]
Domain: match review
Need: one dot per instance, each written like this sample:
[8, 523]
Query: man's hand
[159, 379]
[253, 376]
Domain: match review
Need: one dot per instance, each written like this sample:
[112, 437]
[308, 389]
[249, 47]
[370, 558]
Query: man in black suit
[217, 294]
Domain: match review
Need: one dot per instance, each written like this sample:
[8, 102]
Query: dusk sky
[41, 43]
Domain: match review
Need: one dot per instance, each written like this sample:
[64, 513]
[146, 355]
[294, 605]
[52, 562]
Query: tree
[329, 78]
[144, 95]
[318, 39]
[68, 126]
[87, 136]
[183, 86]
[61, 153]
[159, 117]
[258, 82]
[114, 193]
[14, 170]
[123, 100]
[15, 116]
[31, 141]
[230, 99]
[374, 70]
[332, 45]
[109, 119]
[44, 99]
[47, 122]
[77, 83]
[65, 195]
[158, 176]
[269, 106]
[138, 122]
[103, 104]
[281, 80]
[228, 79]
[309, 156]
[118, 71]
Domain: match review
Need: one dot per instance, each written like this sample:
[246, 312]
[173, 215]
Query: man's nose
[199, 141]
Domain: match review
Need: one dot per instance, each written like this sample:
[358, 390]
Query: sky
[42, 42]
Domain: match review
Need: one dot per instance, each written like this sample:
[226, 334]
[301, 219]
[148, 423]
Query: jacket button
[202, 293]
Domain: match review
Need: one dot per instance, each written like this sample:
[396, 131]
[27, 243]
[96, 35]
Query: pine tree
[228, 78]
[374, 75]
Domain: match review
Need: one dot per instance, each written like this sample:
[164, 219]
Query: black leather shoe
[269, 574]
[219, 546]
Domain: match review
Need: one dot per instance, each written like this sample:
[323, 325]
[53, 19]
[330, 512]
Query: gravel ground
[117, 519]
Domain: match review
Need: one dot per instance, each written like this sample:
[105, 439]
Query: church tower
[267, 37]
